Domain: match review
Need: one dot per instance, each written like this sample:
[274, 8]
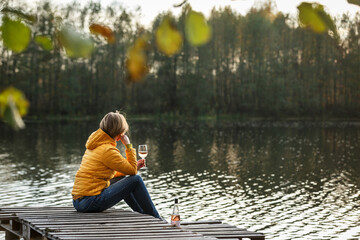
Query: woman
[92, 191]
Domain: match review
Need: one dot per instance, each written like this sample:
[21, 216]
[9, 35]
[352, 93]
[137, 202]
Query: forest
[260, 64]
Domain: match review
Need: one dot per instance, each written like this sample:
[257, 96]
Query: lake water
[289, 180]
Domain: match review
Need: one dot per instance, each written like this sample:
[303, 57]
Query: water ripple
[289, 183]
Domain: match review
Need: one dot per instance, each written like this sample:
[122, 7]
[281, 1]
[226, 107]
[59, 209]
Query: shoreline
[209, 118]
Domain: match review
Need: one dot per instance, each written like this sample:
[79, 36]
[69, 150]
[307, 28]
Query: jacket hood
[97, 138]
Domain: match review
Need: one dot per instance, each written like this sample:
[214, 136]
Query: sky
[150, 8]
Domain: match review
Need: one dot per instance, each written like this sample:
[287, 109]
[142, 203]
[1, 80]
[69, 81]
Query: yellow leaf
[136, 65]
[309, 17]
[198, 32]
[168, 38]
[136, 61]
[142, 43]
[13, 105]
[15, 34]
[313, 15]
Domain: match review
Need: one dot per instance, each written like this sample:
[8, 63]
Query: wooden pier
[65, 223]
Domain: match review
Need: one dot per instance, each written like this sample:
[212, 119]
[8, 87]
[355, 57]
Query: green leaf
[329, 22]
[13, 105]
[76, 45]
[198, 32]
[168, 38]
[20, 14]
[16, 35]
[313, 15]
[45, 42]
[356, 2]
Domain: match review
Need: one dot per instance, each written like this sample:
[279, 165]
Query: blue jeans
[131, 188]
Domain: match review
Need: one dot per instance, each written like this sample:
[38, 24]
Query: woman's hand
[125, 140]
[140, 163]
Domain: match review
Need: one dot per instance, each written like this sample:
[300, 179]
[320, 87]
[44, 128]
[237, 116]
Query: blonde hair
[114, 123]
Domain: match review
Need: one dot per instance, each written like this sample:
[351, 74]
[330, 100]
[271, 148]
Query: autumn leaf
[28, 17]
[198, 32]
[142, 42]
[136, 65]
[15, 34]
[104, 31]
[13, 105]
[76, 45]
[136, 61]
[45, 42]
[356, 2]
[313, 15]
[168, 38]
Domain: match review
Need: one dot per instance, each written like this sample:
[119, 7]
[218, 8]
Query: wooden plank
[125, 233]
[38, 208]
[83, 218]
[106, 226]
[131, 237]
[251, 236]
[90, 221]
[127, 236]
[136, 238]
[66, 223]
[95, 220]
[119, 219]
[59, 211]
[216, 229]
[242, 233]
[6, 217]
[69, 215]
[124, 230]
[45, 209]
[232, 234]
[84, 215]
[133, 225]
[262, 237]
[229, 238]
[115, 217]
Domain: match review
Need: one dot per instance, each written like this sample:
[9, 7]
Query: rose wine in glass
[143, 152]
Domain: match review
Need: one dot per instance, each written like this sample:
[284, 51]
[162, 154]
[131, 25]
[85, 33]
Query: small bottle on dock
[175, 216]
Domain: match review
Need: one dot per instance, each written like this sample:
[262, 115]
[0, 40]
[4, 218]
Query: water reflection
[290, 181]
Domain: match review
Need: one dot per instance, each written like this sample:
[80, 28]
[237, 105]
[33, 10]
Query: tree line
[259, 64]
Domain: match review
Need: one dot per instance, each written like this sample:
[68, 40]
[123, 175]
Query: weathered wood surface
[65, 223]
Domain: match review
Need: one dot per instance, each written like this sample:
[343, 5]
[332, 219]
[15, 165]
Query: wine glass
[143, 152]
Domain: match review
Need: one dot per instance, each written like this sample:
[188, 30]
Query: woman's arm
[114, 160]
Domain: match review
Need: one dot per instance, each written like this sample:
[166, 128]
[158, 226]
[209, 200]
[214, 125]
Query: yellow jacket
[100, 162]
